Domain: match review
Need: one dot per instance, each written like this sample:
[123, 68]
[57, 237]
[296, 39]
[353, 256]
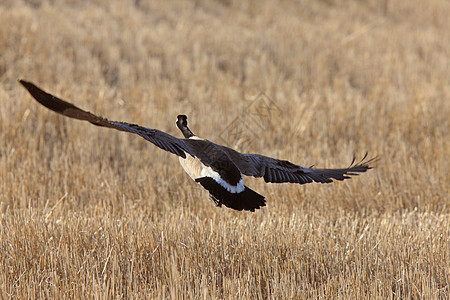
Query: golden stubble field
[91, 212]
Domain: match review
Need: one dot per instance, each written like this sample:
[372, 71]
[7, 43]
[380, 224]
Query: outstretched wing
[278, 171]
[161, 139]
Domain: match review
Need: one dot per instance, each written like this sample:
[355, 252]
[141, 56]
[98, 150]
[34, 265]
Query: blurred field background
[87, 211]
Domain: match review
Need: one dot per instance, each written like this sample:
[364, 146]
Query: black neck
[186, 132]
[182, 124]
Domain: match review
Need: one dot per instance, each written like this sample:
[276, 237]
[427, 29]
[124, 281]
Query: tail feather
[245, 200]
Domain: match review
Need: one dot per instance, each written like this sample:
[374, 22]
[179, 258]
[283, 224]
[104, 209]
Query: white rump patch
[235, 189]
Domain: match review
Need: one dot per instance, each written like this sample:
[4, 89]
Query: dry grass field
[92, 212]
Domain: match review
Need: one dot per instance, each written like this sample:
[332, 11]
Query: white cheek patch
[235, 189]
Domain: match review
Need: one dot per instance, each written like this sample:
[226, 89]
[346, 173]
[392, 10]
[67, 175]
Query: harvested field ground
[92, 212]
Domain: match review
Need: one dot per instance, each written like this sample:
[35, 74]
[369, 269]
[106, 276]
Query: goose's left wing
[278, 171]
[159, 138]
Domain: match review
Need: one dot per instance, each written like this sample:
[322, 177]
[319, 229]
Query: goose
[216, 168]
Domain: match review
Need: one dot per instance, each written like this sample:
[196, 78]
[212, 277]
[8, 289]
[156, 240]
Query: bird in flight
[217, 168]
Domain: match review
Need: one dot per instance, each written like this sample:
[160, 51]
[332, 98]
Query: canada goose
[217, 168]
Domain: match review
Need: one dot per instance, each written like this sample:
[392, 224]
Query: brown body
[192, 166]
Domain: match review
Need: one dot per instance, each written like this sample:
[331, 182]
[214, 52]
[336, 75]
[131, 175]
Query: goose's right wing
[161, 139]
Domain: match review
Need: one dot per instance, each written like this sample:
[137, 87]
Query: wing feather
[278, 171]
[159, 138]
